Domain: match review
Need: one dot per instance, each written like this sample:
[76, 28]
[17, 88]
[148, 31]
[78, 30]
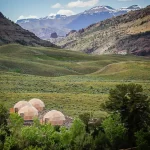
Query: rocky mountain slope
[61, 24]
[13, 33]
[128, 33]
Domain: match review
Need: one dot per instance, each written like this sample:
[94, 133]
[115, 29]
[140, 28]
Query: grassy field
[71, 82]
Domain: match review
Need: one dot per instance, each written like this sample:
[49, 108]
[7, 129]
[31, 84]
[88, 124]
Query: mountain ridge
[109, 36]
[13, 33]
[62, 24]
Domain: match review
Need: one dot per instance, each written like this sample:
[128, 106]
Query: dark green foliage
[85, 117]
[114, 130]
[3, 125]
[3, 135]
[133, 105]
[3, 115]
[143, 139]
[101, 142]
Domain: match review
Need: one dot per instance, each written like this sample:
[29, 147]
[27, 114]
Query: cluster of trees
[127, 126]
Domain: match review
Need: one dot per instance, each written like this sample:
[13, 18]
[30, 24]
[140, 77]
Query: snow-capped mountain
[57, 16]
[131, 8]
[96, 14]
[99, 9]
[134, 7]
[61, 24]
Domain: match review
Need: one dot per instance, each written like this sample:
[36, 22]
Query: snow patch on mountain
[133, 7]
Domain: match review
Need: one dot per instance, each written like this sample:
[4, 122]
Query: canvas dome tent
[37, 103]
[20, 104]
[54, 117]
[28, 112]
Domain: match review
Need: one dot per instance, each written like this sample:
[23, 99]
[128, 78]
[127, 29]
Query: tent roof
[37, 102]
[21, 104]
[54, 115]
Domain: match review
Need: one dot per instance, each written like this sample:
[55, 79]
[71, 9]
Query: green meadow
[72, 82]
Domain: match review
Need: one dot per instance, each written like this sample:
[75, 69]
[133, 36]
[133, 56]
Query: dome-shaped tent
[28, 112]
[20, 104]
[54, 117]
[37, 103]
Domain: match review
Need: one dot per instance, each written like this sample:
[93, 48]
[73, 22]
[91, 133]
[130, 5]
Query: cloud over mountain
[27, 17]
[65, 12]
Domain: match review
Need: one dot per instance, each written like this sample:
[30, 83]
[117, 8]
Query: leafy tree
[15, 123]
[133, 106]
[65, 138]
[101, 142]
[3, 115]
[114, 130]
[42, 136]
[4, 131]
[79, 138]
[143, 139]
[32, 148]
[77, 128]
[3, 135]
[85, 117]
[14, 141]
[30, 134]
[11, 143]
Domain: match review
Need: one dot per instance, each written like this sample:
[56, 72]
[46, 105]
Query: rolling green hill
[72, 82]
[54, 62]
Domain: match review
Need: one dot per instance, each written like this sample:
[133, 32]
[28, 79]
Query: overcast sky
[14, 9]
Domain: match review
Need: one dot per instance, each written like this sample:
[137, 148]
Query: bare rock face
[81, 31]
[71, 32]
[54, 35]
[137, 44]
[1, 15]
[13, 33]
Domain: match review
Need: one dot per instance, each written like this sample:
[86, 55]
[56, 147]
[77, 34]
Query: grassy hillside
[52, 61]
[72, 82]
[130, 70]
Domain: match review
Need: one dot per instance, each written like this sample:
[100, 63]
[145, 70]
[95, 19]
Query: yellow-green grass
[71, 82]
[53, 62]
[70, 104]
[77, 95]
[130, 70]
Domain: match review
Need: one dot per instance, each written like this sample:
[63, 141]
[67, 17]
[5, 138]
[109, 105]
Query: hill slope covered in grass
[124, 34]
[72, 82]
[54, 62]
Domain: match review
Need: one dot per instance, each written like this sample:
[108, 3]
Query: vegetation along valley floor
[69, 81]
